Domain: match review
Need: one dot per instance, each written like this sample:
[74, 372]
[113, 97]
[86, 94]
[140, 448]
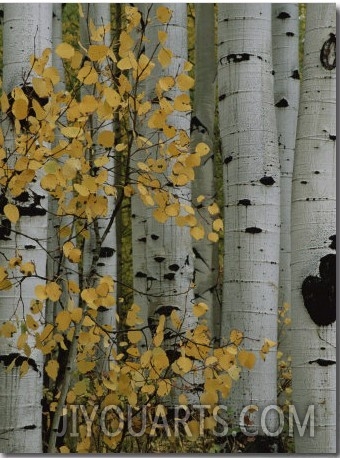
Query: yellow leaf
[213, 209]
[234, 372]
[97, 52]
[20, 108]
[218, 225]
[202, 149]
[166, 83]
[110, 190]
[11, 212]
[27, 269]
[87, 75]
[7, 329]
[200, 309]
[71, 132]
[159, 359]
[209, 397]
[36, 306]
[52, 368]
[53, 74]
[164, 57]
[132, 318]
[246, 359]
[164, 388]
[74, 255]
[5, 285]
[163, 14]
[106, 138]
[53, 291]
[31, 323]
[128, 191]
[236, 337]
[134, 336]
[21, 342]
[182, 103]
[4, 103]
[213, 237]
[127, 62]
[133, 351]
[158, 339]
[76, 314]
[210, 361]
[24, 368]
[42, 87]
[172, 209]
[162, 36]
[126, 43]
[160, 215]
[63, 320]
[40, 292]
[184, 82]
[185, 364]
[85, 366]
[73, 287]
[82, 190]
[65, 51]
[175, 319]
[182, 399]
[112, 97]
[197, 232]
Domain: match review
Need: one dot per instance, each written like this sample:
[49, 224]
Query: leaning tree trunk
[313, 236]
[27, 31]
[251, 193]
[286, 97]
[202, 130]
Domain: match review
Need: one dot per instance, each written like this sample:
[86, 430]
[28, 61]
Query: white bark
[102, 243]
[202, 130]
[313, 223]
[27, 30]
[286, 97]
[169, 255]
[251, 192]
[138, 210]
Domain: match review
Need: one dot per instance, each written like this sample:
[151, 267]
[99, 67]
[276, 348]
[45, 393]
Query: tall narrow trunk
[27, 31]
[202, 130]
[313, 236]
[169, 255]
[286, 97]
[251, 194]
[101, 244]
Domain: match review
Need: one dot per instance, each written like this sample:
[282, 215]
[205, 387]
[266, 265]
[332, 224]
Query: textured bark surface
[27, 30]
[285, 33]
[202, 130]
[313, 235]
[101, 249]
[169, 255]
[251, 193]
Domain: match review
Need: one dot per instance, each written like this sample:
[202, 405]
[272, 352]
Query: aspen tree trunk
[285, 34]
[202, 130]
[101, 249]
[57, 265]
[313, 236]
[138, 210]
[252, 197]
[107, 262]
[27, 31]
[169, 255]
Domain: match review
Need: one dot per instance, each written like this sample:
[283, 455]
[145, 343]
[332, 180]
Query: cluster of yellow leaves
[56, 145]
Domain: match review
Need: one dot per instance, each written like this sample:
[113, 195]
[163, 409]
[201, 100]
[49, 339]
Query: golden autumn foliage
[54, 145]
